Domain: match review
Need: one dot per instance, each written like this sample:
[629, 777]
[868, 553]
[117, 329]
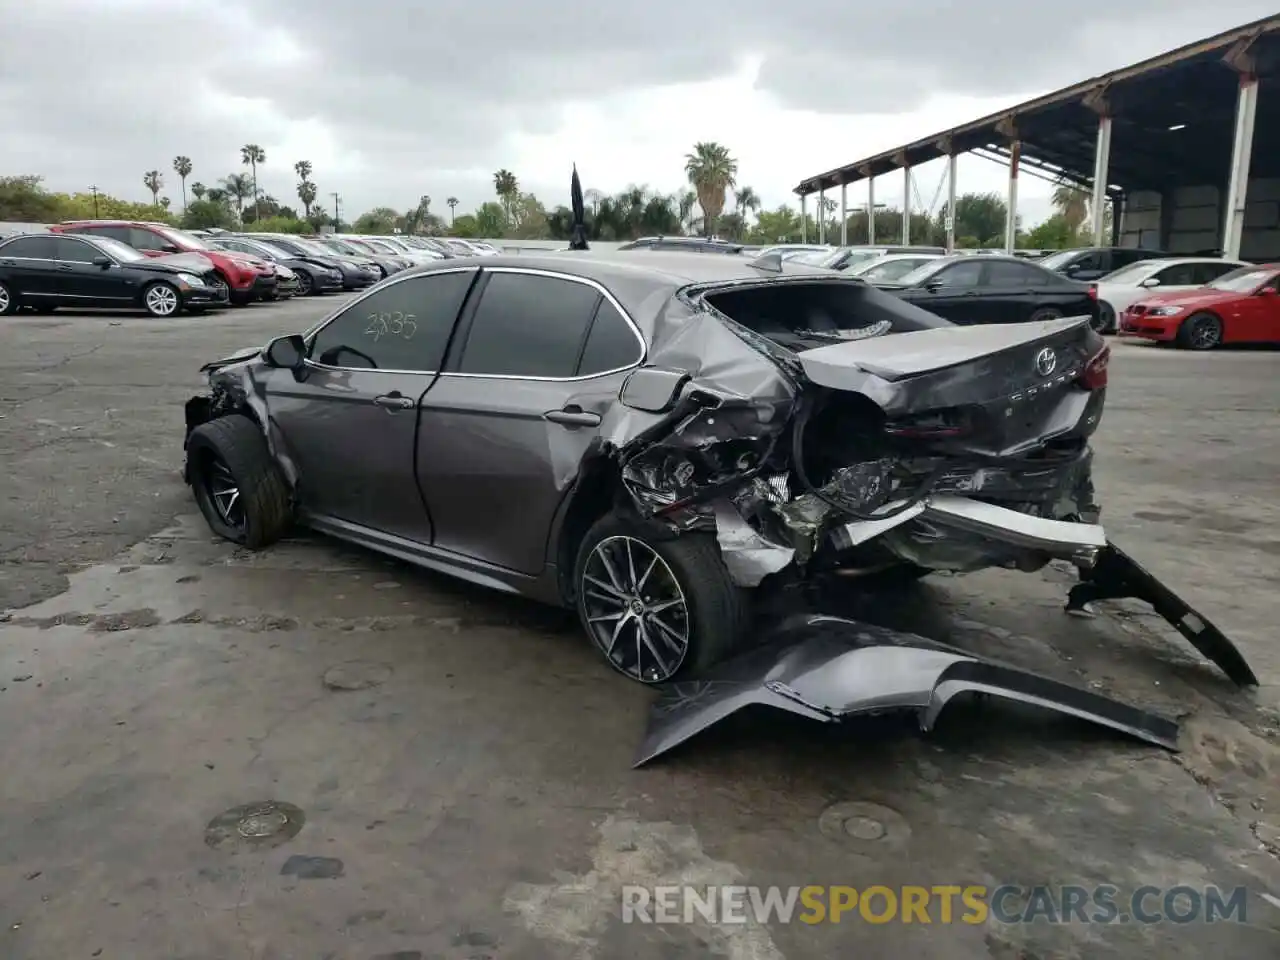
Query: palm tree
[182, 167]
[745, 198]
[1072, 202]
[303, 169]
[453, 206]
[424, 204]
[198, 190]
[684, 206]
[238, 187]
[154, 182]
[508, 189]
[216, 195]
[307, 194]
[251, 155]
[712, 171]
[593, 197]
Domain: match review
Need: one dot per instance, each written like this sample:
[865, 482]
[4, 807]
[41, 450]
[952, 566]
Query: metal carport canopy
[1191, 89]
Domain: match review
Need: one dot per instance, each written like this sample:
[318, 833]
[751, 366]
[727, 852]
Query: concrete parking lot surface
[458, 762]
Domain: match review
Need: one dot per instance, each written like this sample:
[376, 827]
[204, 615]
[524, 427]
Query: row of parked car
[165, 271]
[1196, 302]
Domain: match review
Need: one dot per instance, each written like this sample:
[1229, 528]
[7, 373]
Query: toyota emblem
[1046, 362]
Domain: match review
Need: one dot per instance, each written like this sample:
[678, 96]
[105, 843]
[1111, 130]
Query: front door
[1255, 319]
[507, 425]
[952, 293]
[30, 265]
[351, 423]
[81, 282]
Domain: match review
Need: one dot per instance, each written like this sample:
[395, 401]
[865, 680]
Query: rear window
[802, 316]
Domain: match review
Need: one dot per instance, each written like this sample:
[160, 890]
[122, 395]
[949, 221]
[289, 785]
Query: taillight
[1094, 376]
[1093, 291]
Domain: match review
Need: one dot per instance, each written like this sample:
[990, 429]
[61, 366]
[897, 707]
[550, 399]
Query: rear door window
[1207, 272]
[1178, 275]
[529, 325]
[611, 343]
[29, 248]
[960, 276]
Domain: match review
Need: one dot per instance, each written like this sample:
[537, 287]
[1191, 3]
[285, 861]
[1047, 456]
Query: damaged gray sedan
[655, 440]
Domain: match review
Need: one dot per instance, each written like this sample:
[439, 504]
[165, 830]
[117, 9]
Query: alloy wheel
[5, 301]
[634, 609]
[1205, 334]
[224, 493]
[162, 300]
[304, 283]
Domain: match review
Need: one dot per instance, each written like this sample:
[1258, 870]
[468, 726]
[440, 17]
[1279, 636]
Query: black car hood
[829, 668]
[177, 263]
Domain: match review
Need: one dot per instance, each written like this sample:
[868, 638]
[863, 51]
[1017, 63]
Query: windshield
[889, 270]
[304, 246]
[1056, 261]
[1241, 280]
[1132, 274]
[340, 245]
[182, 238]
[399, 246]
[377, 246]
[269, 249]
[121, 251]
[852, 257]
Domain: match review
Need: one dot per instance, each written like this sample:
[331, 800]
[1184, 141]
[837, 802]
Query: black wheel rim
[304, 283]
[1205, 334]
[634, 609]
[223, 491]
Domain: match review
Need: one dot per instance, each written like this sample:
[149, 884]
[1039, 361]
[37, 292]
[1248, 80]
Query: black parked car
[993, 289]
[1091, 263]
[315, 274]
[47, 271]
[356, 274]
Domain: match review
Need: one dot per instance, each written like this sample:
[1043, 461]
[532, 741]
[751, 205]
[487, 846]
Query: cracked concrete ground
[459, 761]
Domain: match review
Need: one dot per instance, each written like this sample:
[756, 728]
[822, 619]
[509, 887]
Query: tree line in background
[713, 204]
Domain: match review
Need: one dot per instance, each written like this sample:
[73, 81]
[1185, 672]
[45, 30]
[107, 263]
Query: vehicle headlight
[191, 280]
[1164, 311]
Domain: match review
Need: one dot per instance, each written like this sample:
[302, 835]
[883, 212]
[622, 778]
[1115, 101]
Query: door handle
[572, 416]
[65, 267]
[393, 402]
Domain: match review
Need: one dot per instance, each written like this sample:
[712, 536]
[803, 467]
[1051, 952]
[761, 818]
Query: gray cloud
[91, 91]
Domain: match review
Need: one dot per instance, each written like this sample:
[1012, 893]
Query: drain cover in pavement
[864, 823]
[268, 823]
[356, 675]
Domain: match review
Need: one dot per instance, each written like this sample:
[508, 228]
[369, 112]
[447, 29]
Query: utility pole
[94, 190]
[337, 220]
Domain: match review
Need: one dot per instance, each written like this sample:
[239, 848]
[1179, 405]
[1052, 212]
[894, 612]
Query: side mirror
[933, 286]
[286, 353]
[102, 262]
[1150, 282]
[1268, 292]
[653, 389]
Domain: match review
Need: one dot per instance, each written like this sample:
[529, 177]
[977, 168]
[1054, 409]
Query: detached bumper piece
[1116, 576]
[829, 669]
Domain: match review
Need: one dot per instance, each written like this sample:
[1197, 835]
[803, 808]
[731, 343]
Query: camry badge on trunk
[1046, 362]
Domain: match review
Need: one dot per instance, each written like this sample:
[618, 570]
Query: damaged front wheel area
[236, 483]
[657, 607]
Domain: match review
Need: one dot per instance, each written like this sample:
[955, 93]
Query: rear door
[351, 423]
[31, 268]
[533, 367]
[84, 283]
[1179, 276]
[1011, 290]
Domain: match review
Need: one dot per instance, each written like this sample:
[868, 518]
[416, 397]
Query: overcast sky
[392, 99]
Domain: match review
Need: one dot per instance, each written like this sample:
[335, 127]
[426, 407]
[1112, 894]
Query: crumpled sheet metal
[829, 668]
[748, 556]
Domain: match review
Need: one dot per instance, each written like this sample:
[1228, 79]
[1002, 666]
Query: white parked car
[1119, 290]
[890, 267]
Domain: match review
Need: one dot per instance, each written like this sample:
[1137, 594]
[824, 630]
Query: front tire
[237, 485]
[8, 301]
[305, 286]
[1200, 331]
[161, 300]
[657, 609]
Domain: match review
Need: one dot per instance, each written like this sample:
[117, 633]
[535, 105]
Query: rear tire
[1105, 320]
[705, 610]
[1045, 313]
[230, 454]
[1200, 331]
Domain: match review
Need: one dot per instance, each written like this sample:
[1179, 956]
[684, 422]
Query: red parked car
[1242, 306]
[247, 278]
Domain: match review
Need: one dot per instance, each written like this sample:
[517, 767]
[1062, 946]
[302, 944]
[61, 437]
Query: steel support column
[951, 203]
[871, 211]
[822, 215]
[906, 205]
[1101, 171]
[844, 214]
[1011, 217]
[1241, 157]
[804, 218]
